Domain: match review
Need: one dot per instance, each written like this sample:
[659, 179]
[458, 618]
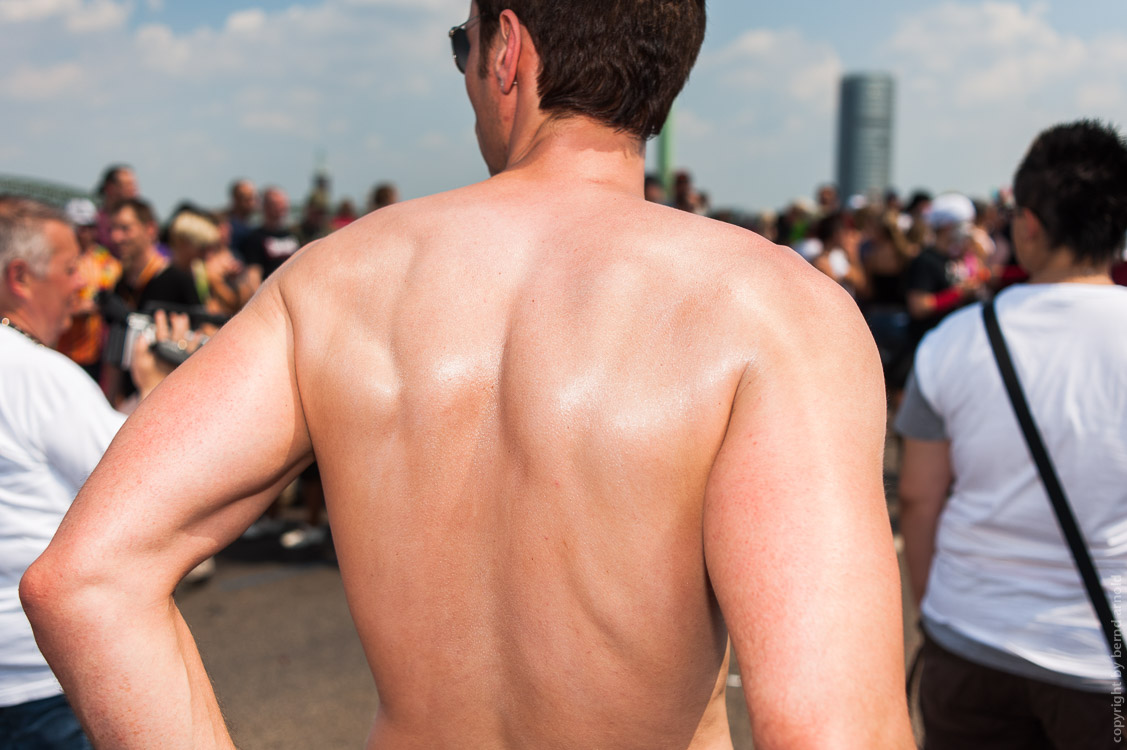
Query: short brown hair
[619, 62]
[141, 209]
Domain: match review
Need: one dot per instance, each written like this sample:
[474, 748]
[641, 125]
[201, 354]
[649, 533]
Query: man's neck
[137, 268]
[579, 150]
[16, 320]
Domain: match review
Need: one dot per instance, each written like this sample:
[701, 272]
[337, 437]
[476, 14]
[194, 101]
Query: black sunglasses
[460, 44]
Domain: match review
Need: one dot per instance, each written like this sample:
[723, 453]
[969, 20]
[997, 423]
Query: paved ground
[276, 635]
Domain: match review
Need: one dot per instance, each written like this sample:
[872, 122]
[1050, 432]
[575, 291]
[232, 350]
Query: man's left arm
[199, 460]
[797, 538]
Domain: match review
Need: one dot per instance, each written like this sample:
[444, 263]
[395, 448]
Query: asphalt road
[276, 636]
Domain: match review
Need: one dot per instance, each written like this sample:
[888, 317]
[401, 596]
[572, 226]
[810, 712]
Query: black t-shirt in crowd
[171, 286]
[269, 248]
[928, 272]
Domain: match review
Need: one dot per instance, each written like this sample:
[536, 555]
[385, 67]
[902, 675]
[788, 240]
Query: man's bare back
[571, 442]
[516, 456]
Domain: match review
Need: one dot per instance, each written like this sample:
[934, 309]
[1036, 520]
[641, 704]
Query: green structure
[665, 155]
[41, 190]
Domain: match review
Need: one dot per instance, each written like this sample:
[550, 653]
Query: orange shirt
[83, 341]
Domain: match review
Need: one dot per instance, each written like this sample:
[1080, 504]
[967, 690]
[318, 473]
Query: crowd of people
[907, 263]
[126, 298]
[208, 263]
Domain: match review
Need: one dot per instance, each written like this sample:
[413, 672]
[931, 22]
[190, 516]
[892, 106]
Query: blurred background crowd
[908, 261]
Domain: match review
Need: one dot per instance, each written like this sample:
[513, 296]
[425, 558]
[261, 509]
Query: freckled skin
[571, 443]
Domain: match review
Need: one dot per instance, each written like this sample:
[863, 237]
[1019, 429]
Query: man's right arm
[200, 459]
[797, 538]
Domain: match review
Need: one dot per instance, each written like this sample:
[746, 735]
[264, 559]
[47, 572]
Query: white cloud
[978, 80]
[989, 51]
[98, 15]
[246, 21]
[161, 50]
[258, 92]
[783, 62]
[761, 105]
[78, 16]
[22, 11]
[42, 84]
[1094, 96]
[692, 125]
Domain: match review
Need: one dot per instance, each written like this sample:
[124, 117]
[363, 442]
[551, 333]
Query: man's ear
[17, 276]
[508, 51]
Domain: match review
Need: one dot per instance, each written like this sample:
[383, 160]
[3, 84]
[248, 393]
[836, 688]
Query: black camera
[126, 326]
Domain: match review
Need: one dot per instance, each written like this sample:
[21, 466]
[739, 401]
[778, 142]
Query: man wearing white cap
[100, 272]
[935, 281]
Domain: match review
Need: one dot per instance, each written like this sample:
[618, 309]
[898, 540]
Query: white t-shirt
[1002, 575]
[55, 424]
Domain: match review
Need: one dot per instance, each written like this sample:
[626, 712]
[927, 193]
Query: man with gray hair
[55, 424]
[54, 427]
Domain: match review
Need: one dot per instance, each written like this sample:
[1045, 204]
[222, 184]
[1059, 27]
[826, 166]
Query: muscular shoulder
[781, 299]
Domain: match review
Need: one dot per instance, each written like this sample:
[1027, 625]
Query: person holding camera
[55, 424]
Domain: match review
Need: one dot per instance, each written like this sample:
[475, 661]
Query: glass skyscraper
[865, 130]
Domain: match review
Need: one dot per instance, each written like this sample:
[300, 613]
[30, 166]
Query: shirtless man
[571, 441]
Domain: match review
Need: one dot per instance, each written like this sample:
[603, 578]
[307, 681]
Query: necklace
[7, 323]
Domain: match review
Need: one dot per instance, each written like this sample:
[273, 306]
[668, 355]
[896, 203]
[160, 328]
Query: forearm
[918, 526]
[130, 669]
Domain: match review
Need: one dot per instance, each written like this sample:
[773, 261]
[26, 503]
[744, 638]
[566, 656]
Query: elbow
[41, 593]
[55, 593]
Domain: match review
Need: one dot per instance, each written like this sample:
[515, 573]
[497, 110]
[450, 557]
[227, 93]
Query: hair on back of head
[1074, 180]
[619, 62]
[110, 176]
[22, 235]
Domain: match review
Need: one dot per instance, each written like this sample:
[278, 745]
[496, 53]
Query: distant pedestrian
[1015, 656]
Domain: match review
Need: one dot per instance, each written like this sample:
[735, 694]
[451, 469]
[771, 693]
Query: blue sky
[196, 93]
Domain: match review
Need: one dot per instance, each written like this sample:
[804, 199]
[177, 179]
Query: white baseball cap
[81, 212]
[948, 209]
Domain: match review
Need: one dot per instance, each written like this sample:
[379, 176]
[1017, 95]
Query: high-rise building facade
[865, 132]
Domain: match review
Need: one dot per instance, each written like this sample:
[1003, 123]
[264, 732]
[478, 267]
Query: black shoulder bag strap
[1064, 514]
